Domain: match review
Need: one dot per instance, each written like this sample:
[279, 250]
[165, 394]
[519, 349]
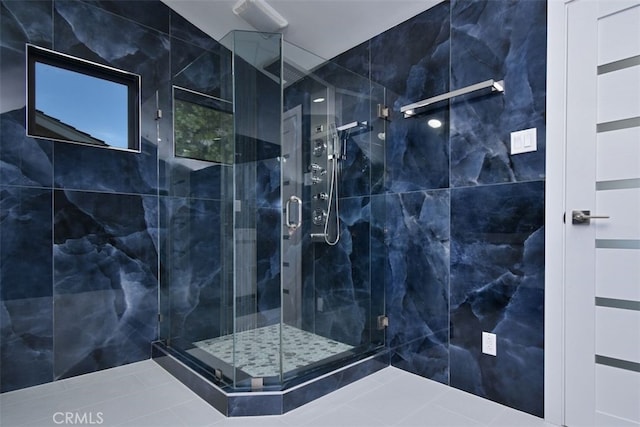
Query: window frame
[36, 54]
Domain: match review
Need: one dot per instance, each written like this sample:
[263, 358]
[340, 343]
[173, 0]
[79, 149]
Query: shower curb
[256, 403]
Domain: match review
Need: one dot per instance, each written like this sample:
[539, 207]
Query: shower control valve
[319, 216]
[321, 196]
[317, 169]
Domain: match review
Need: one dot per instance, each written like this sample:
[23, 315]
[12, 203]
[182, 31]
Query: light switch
[524, 141]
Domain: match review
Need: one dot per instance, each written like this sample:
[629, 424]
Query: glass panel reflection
[203, 127]
[81, 108]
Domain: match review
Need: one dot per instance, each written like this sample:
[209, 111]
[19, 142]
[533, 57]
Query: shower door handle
[293, 225]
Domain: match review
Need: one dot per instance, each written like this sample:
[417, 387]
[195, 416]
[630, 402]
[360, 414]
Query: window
[73, 100]
[203, 127]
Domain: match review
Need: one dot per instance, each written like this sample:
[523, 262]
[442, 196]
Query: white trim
[554, 210]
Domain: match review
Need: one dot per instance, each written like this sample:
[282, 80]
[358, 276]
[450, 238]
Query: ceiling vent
[260, 15]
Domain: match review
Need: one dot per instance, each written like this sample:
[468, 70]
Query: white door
[602, 256]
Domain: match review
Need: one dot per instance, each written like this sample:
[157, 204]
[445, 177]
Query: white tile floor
[143, 394]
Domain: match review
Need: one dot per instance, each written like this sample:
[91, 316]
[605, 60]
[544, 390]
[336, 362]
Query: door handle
[293, 226]
[584, 217]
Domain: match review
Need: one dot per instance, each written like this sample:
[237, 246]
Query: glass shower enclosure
[291, 148]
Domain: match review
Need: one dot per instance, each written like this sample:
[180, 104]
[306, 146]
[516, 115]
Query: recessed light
[318, 100]
[434, 123]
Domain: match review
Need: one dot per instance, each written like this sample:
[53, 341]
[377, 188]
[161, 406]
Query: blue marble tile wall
[462, 228]
[81, 228]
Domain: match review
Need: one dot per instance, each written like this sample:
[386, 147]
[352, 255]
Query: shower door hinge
[383, 112]
[383, 321]
[158, 114]
[257, 383]
[159, 317]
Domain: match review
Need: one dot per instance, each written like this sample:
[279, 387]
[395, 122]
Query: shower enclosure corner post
[257, 218]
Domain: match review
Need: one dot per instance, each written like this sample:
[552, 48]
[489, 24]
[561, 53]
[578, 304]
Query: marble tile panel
[191, 267]
[417, 155]
[357, 59]
[24, 161]
[183, 29]
[80, 167]
[489, 42]
[100, 329]
[26, 342]
[412, 59]
[20, 22]
[25, 248]
[105, 280]
[427, 357]
[93, 34]
[497, 285]
[156, 17]
[417, 291]
[80, 31]
[204, 71]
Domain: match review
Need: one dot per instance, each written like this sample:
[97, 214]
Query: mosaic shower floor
[257, 350]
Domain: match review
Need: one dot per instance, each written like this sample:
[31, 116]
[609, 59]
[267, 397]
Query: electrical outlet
[489, 342]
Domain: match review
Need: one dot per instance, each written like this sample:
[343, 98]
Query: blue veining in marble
[356, 60]
[105, 280]
[489, 42]
[204, 71]
[82, 30]
[418, 251]
[22, 22]
[342, 277]
[412, 62]
[183, 29]
[417, 155]
[191, 266]
[497, 285]
[25, 248]
[23, 160]
[82, 167]
[156, 17]
[412, 59]
[26, 342]
[93, 34]
[427, 357]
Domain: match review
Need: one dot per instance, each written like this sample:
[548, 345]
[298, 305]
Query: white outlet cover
[524, 141]
[489, 343]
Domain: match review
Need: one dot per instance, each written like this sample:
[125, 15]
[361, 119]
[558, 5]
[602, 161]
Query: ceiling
[323, 27]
